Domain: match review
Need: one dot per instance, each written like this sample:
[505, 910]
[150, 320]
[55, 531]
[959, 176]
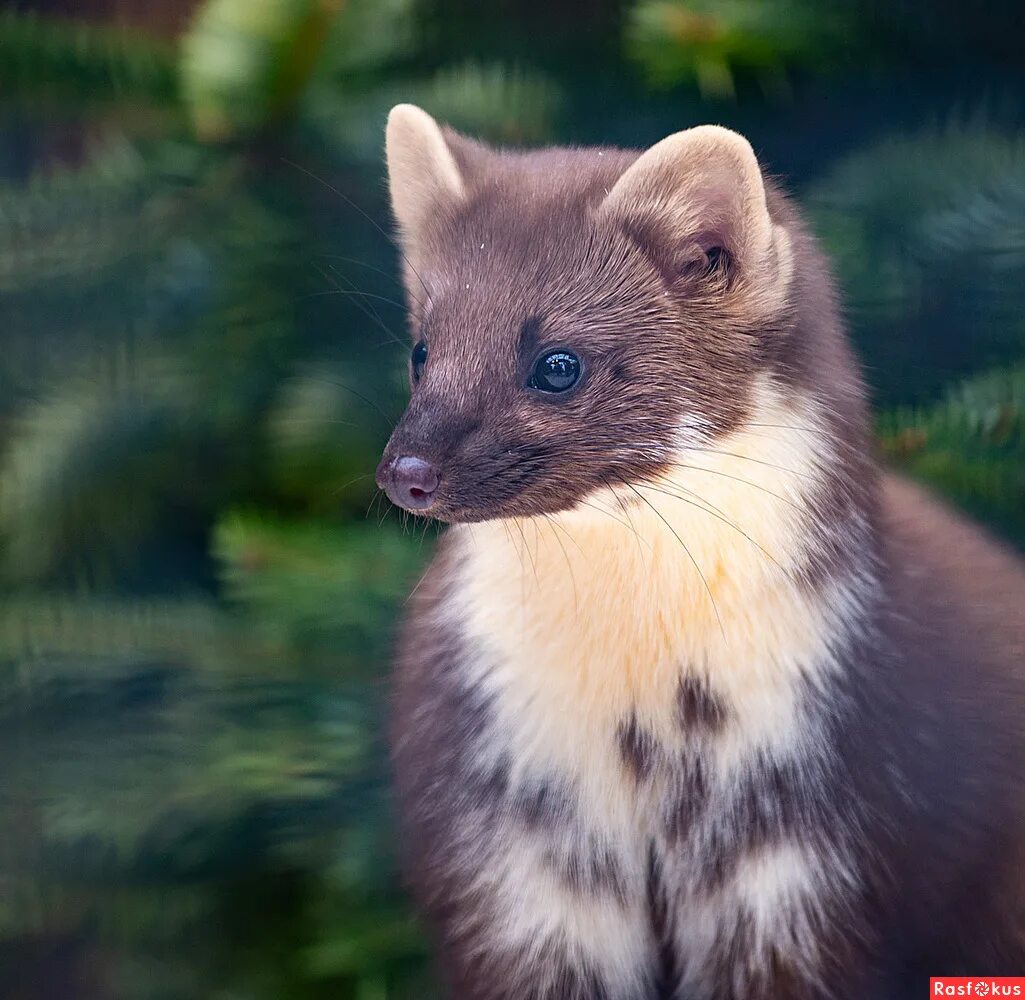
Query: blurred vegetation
[715, 42]
[928, 232]
[203, 356]
[970, 445]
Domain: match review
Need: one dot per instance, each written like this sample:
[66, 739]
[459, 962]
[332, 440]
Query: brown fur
[913, 770]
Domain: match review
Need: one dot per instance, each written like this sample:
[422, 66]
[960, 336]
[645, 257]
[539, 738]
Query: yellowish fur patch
[595, 614]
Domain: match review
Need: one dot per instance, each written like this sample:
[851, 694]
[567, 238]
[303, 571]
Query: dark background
[198, 582]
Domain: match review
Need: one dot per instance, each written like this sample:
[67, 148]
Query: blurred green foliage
[970, 445]
[322, 590]
[246, 65]
[713, 42]
[41, 59]
[928, 232]
[203, 354]
[722, 47]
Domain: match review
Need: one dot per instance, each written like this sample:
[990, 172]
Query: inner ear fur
[701, 195]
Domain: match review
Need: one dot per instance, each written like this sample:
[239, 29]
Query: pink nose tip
[410, 482]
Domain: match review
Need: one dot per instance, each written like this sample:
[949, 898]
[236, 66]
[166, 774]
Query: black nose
[409, 481]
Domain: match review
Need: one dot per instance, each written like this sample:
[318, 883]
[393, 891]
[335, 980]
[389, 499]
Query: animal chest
[660, 781]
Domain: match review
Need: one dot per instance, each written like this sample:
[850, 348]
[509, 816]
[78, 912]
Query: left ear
[423, 176]
[703, 190]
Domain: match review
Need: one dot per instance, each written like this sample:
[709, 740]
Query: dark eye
[555, 372]
[418, 359]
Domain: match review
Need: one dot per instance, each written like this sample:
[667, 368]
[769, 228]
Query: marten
[693, 701]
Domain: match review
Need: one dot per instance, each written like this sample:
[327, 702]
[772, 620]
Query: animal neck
[713, 571]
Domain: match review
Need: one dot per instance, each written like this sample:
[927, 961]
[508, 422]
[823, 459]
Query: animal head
[577, 315]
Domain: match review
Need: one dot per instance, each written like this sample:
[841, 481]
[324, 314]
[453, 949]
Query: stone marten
[693, 701]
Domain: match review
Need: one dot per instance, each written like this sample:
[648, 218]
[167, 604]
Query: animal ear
[702, 191]
[423, 175]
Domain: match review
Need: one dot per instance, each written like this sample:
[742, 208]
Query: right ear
[701, 189]
[423, 176]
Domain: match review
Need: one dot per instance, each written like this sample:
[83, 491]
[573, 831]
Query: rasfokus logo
[977, 986]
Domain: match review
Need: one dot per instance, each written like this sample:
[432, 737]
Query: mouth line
[494, 497]
[507, 508]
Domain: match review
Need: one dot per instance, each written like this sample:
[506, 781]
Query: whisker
[519, 559]
[371, 314]
[356, 290]
[566, 532]
[739, 479]
[535, 456]
[629, 516]
[357, 295]
[345, 486]
[715, 512]
[625, 524]
[569, 565]
[376, 496]
[519, 527]
[820, 432]
[690, 555]
[320, 420]
[366, 215]
[348, 388]
[748, 458]
[786, 427]
[370, 267]
[410, 595]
